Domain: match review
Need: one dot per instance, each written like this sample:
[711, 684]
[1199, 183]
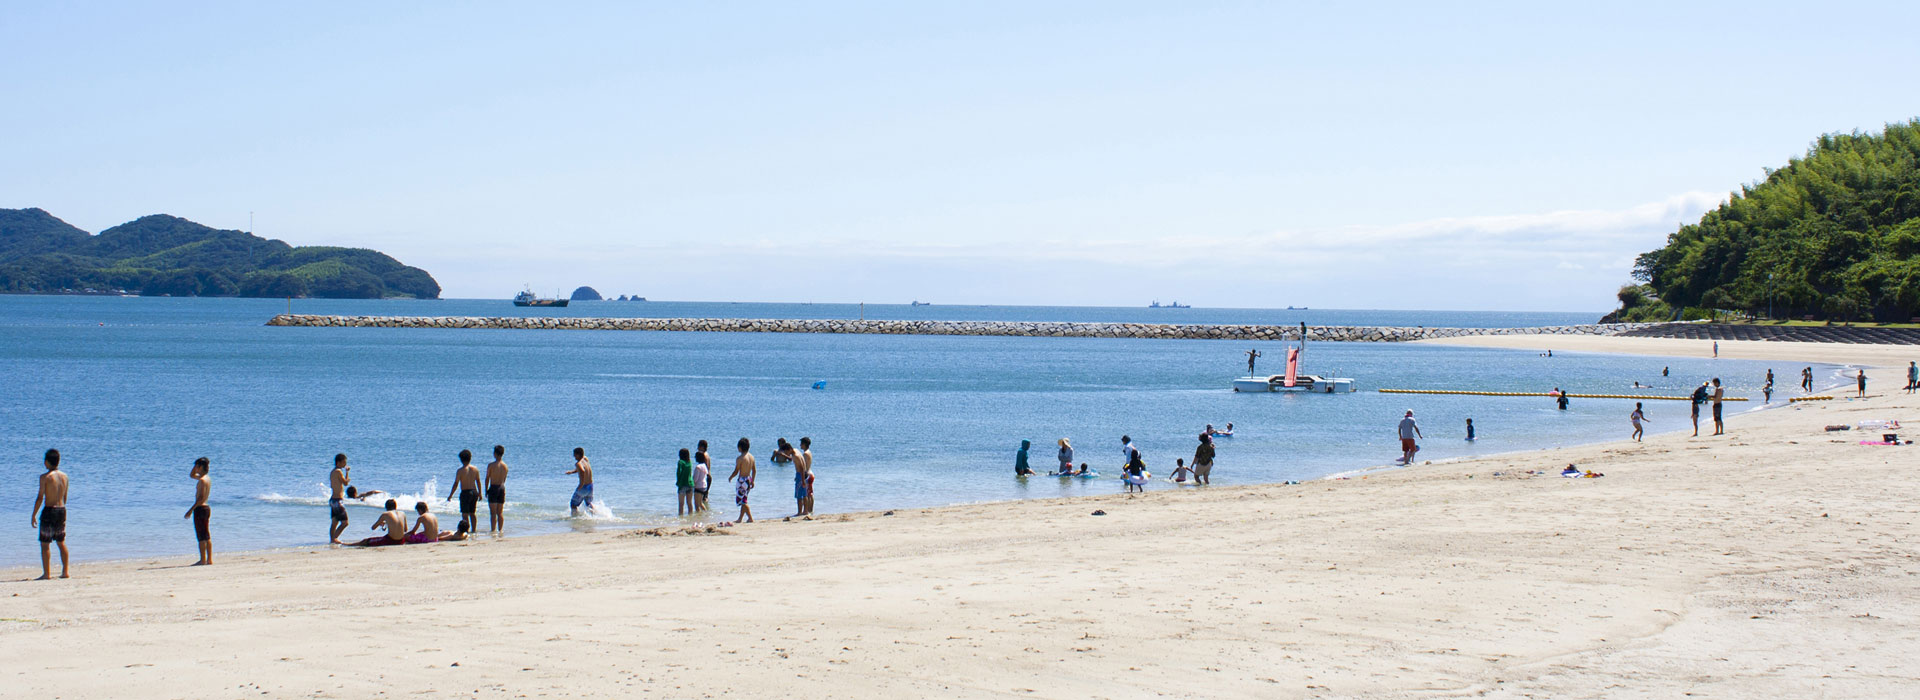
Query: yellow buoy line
[1636, 397]
[1798, 399]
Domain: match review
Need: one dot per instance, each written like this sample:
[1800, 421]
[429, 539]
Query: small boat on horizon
[921, 303]
[1174, 305]
[528, 298]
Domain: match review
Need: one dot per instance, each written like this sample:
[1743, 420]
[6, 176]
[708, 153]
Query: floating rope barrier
[1798, 399]
[1634, 397]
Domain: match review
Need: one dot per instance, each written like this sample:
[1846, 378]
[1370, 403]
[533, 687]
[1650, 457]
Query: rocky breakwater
[1369, 334]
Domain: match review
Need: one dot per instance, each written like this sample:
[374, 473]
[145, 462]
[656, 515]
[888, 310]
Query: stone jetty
[1368, 334]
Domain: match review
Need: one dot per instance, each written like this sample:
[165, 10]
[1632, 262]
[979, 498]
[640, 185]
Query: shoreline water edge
[1736, 565]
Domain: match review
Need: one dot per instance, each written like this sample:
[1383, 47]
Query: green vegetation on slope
[167, 255]
[1834, 234]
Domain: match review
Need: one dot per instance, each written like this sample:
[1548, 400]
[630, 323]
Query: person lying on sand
[460, 533]
[393, 521]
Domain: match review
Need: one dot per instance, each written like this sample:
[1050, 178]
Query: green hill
[1834, 234]
[160, 254]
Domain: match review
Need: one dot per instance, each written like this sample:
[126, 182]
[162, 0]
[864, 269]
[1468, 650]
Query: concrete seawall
[1375, 334]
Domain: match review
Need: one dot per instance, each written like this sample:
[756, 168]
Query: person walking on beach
[1719, 394]
[338, 480]
[49, 515]
[806, 453]
[1065, 457]
[1636, 417]
[1020, 467]
[683, 483]
[466, 480]
[1806, 379]
[1766, 390]
[742, 476]
[1716, 348]
[201, 513]
[1913, 376]
[1862, 380]
[582, 494]
[497, 491]
[1699, 397]
[1203, 460]
[1409, 430]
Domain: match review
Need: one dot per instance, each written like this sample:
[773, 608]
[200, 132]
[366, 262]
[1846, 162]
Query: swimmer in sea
[426, 528]
[362, 495]
[466, 480]
[393, 521]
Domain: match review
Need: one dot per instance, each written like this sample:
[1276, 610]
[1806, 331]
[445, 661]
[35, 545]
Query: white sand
[1777, 561]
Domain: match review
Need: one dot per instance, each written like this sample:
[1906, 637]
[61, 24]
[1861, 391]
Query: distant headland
[161, 255]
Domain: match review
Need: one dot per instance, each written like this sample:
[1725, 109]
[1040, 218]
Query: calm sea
[132, 390]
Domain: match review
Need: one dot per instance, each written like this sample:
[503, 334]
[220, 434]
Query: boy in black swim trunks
[49, 514]
[466, 480]
[497, 490]
[201, 512]
[337, 481]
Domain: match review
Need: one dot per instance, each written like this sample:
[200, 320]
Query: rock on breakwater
[1374, 334]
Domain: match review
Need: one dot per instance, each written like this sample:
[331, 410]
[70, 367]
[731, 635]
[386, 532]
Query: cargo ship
[527, 298]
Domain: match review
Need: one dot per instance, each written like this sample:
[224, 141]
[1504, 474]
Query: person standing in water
[1409, 430]
[497, 490]
[582, 494]
[49, 515]
[683, 483]
[201, 513]
[806, 453]
[466, 480]
[742, 476]
[1716, 348]
[1636, 417]
[1562, 398]
[338, 480]
[1203, 460]
[1066, 457]
[1020, 467]
[702, 477]
[1470, 430]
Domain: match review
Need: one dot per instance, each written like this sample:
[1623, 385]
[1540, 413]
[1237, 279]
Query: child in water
[1085, 470]
[1469, 430]
[1180, 470]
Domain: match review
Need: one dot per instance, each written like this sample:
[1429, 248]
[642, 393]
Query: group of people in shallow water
[1134, 469]
[693, 477]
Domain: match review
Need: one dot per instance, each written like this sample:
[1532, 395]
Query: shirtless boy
[426, 528]
[50, 515]
[393, 521]
[201, 512]
[742, 476]
[338, 482]
[466, 480]
[806, 453]
[582, 494]
[497, 490]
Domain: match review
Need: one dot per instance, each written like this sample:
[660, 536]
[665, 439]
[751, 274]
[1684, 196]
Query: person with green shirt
[683, 481]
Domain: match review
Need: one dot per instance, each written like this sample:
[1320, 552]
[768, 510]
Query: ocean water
[132, 390]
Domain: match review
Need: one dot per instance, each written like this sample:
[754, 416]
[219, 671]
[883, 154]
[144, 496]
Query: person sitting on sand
[1570, 471]
[1180, 471]
[426, 528]
[393, 521]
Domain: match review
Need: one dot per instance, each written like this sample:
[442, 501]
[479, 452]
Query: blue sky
[1431, 155]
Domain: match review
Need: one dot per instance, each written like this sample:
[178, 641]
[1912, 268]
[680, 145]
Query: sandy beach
[1775, 561]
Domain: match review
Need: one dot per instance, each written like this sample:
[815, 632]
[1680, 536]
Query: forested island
[162, 255]
[1834, 235]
